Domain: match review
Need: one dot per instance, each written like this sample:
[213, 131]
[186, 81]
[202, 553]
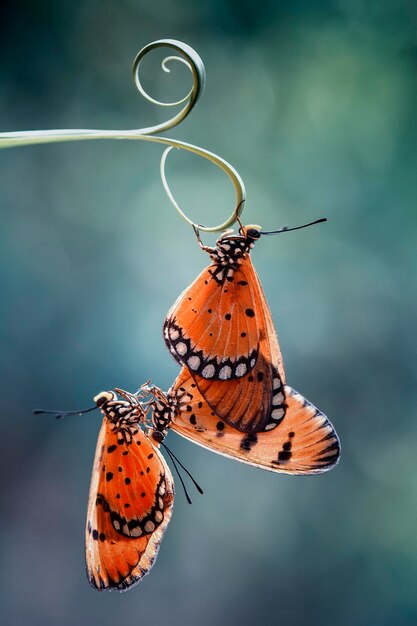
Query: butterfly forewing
[212, 327]
[304, 442]
[130, 505]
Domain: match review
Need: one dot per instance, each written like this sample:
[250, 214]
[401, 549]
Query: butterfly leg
[208, 249]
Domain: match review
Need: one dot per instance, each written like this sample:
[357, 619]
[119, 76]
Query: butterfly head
[251, 231]
[124, 413]
[104, 397]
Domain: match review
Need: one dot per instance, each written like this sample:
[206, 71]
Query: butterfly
[132, 490]
[131, 496]
[221, 329]
[304, 442]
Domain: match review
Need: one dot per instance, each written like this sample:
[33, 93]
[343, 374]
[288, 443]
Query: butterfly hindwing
[304, 442]
[130, 505]
[253, 403]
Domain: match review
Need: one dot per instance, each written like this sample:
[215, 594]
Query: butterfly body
[131, 497]
[221, 329]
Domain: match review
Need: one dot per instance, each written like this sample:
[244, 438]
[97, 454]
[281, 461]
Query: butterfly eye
[158, 436]
[253, 233]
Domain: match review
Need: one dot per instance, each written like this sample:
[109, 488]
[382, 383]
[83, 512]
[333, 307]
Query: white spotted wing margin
[304, 442]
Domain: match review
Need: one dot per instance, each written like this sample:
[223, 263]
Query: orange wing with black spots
[304, 442]
[217, 324]
[130, 502]
[213, 328]
[221, 329]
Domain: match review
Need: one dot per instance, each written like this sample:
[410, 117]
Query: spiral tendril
[193, 62]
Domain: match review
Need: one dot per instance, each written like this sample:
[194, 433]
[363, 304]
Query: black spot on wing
[248, 442]
[284, 455]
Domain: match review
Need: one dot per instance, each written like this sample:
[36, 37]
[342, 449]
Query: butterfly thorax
[228, 254]
[162, 415]
[123, 416]
[231, 251]
[166, 408]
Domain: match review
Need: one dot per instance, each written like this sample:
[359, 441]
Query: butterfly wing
[130, 505]
[223, 331]
[304, 442]
[215, 326]
[253, 403]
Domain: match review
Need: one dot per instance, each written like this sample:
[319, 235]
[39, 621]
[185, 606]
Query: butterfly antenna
[285, 229]
[61, 414]
[179, 475]
[173, 459]
[196, 485]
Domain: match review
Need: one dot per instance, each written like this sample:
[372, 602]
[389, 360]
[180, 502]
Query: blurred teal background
[315, 104]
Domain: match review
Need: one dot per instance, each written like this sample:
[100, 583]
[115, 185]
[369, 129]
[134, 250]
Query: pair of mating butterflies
[230, 397]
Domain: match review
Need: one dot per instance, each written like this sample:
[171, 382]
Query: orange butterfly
[132, 490]
[131, 496]
[221, 329]
[304, 442]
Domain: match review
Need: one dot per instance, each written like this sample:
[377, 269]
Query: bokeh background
[315, 104]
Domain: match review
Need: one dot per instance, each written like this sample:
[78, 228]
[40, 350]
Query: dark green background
[315, 104]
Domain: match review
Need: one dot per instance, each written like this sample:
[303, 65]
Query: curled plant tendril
[193, 62]
[168, 71]
[230, 171]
